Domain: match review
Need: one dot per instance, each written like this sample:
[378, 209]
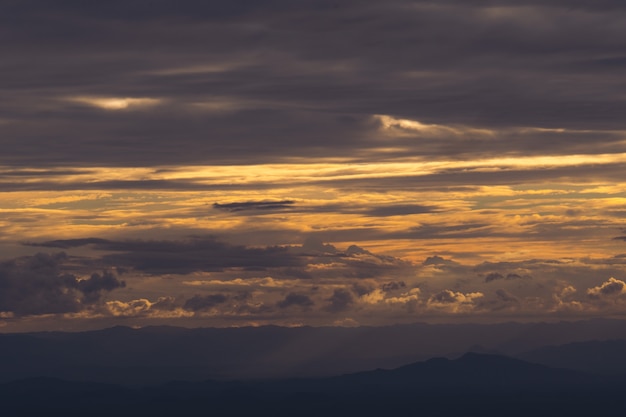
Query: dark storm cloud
[292, 206]
[393, 286]
[268, 80]
[182, 256]
[600, 5]
[69, 243]
[444, 297]
[94, 286]
[495, 276]
[294, 299]
[361, 289]
[158, 257]
[341, 300]
[506, 296]
[125, 185]
[42, 173]
[359, 263]
[138, 9]
[204, 302]
[503, 300]
[254, 205]
[210, 254]
[38, 284]
[438, 260]
[400, 210]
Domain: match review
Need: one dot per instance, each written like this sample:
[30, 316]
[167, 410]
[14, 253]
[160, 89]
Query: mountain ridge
[161, 353]
[438, 387]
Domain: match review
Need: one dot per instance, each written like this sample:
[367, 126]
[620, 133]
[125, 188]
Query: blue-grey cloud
[339, 301]
[40, 284]
[232, 88]
[183, 256]
[254, 205]
[204, 302]
[295, 299]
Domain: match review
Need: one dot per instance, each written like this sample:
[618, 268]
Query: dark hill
[153, 355]
[473, 385]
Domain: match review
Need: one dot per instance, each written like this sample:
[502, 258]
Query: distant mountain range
[472, 385]
[154, 355]
[508, 369]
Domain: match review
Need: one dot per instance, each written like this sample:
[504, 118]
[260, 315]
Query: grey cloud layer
[41, 284]
[325, 283]
[268, 80]
[209, 254]
[443, 180]
[435, 103]
[185, 256]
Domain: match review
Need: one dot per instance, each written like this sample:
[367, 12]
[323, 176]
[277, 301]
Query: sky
[243, 163]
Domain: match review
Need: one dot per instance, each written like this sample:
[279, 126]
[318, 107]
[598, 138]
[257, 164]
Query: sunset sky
[235, 163]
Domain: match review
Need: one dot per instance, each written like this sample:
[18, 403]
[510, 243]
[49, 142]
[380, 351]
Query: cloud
[504, 301]
[443, 231]
[506, 296]
[312, 260]
[453, 301]
[116, 103]
[564, 300]
[438, 260]
[254, 205]
[315, 245]
[38, 285]
[400, 210]
[495, 276]
[131, 308]
[609, 289]
[341, 300]
[183, 256]
[94, 286]
[204, 302]
[393, 286]
[68, 243]
[294, 299]
[373, 297]
[164, 308]
[362, 289]
[409, 298]
[335, 282]
[165, 303]
[313, 93]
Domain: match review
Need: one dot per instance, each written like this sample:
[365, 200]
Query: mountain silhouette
[153, 355]
[473, 385]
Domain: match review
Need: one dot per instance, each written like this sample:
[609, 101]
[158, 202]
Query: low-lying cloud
[38, 284]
